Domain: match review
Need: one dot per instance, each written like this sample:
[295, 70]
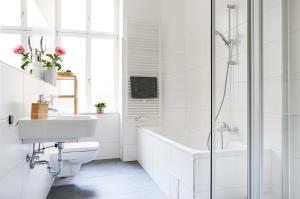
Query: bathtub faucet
[225, 127]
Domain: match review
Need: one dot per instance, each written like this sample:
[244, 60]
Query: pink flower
[60, 51]
[19, 50]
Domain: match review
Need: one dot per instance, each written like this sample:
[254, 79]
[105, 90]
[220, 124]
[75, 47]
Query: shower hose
[221, 104]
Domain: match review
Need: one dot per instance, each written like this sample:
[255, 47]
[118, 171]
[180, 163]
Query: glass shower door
[230, 100]
[273, 109]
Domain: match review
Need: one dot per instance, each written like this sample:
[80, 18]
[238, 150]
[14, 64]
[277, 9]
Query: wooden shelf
[72, 77]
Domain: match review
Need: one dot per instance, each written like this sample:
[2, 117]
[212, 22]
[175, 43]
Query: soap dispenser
[39, 110]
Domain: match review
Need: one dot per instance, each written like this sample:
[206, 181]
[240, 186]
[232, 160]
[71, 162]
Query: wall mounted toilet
[74, 155]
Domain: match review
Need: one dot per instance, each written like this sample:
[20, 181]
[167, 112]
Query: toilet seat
[80, 147]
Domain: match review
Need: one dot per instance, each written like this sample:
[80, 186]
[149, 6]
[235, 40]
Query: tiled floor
[107, 179]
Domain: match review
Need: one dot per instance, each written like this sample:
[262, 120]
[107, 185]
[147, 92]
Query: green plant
[100, 105]
[26, 60]
[54, 60]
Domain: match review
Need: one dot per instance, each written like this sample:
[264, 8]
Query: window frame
[88, 35]
[24, 30]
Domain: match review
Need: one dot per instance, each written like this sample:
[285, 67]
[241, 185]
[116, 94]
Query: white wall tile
[294, 49]
[272, 18]
[17, 91]
[173, 81]
[109, 151]
[11, 92]
[272, 95]
[174, 117]
[173, 99]
[173, 64]
[294, 15]
[129, 153]
[172, 22]
[273, 59]
[295, 178]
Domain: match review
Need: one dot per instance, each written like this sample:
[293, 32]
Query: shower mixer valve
[225, 127]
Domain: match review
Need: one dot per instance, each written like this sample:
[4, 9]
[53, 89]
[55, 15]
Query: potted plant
[53, 63]
[100, 107]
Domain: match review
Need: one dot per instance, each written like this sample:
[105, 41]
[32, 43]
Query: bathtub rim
[195, 153]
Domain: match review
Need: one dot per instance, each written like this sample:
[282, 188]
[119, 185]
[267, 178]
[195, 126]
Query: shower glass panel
[291, 89]
[272, 86]
[230, 103]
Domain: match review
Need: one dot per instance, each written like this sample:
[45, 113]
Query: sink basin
[57, 128]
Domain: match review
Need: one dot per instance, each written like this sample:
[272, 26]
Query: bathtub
[179, 163]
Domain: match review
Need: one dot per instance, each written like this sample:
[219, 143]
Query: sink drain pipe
[33, 160]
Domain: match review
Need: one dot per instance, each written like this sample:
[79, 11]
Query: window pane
[73, 14]
[103, 15]
[103, 73]
[8, 43]
[10, 13]
[75, 60]
[35, 18]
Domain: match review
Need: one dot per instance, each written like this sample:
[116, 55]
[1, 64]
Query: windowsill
[92, 113]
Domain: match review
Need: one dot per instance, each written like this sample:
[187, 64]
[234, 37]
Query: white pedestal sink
[57, 128]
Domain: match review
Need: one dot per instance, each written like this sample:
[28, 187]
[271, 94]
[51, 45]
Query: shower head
[226, 41]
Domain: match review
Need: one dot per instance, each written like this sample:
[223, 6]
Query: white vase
[50, 76]
[37, 70]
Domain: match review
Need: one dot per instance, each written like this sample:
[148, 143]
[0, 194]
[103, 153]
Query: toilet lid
[80, 147]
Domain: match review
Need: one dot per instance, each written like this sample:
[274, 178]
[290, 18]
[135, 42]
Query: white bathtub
[179, 162]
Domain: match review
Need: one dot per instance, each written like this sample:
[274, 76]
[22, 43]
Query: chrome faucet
[225, 127]
[51, 102]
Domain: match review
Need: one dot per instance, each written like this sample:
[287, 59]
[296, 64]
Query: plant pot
[37, 70]
[50, 76]
[100, 110]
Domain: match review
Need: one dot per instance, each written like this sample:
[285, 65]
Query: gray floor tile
[107, 179]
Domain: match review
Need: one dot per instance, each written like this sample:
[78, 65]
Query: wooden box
[39, 111]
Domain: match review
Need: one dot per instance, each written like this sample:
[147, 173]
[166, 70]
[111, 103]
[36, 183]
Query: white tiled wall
[148, 10]
[294, 86]
[185, 28]
[108, 136]
[17, 91]
[273, 65]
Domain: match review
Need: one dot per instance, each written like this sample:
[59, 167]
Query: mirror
[26, 23]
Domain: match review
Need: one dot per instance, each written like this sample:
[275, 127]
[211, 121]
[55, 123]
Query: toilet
[74, 155]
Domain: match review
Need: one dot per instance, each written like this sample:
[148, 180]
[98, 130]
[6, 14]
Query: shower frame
[255, 98]
[255, 146]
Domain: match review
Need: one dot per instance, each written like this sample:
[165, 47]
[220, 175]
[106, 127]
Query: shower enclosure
[255, 99]
[230, 98]
[230, 81]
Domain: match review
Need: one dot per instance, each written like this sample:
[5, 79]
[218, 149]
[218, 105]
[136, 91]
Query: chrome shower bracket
[231, 41]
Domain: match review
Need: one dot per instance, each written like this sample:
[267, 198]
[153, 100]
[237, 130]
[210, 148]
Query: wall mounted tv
[143, 87]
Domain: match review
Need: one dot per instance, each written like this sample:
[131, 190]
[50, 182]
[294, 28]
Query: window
[90, 37]
[10, 13]
[34, 16]
[102, 15]
[102, 72]
[73, 14]
[18, 20]
[76, 47]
